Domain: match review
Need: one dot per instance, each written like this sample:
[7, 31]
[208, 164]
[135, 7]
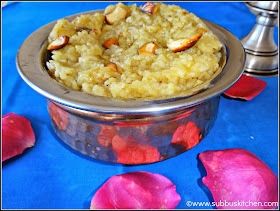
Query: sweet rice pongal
[134, 52]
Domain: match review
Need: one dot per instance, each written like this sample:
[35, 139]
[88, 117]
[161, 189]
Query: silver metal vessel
[259, 44]
[130, 131]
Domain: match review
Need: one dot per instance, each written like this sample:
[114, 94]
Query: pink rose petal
[136, 190]
[237, 175]
[17, 135]
[246, 87]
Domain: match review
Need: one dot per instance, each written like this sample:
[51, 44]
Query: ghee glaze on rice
[134, 52]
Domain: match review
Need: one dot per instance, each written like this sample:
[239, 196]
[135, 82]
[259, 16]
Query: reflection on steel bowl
[138, 140]
[129, 131]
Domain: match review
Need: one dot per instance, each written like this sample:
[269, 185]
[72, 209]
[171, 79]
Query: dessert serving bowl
[129, 131]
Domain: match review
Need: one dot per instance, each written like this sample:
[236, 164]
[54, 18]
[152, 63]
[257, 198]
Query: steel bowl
[129, 131]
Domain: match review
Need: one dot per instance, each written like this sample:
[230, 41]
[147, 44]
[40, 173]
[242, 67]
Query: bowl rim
[28, 62]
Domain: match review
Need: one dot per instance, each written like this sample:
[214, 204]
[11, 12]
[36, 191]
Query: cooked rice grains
[85, 64]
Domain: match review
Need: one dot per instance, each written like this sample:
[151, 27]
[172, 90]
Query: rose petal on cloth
[237, 175]
[136, 190]
[246, 88]
[17, 135]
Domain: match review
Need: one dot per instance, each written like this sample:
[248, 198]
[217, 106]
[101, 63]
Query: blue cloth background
[50, 175]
